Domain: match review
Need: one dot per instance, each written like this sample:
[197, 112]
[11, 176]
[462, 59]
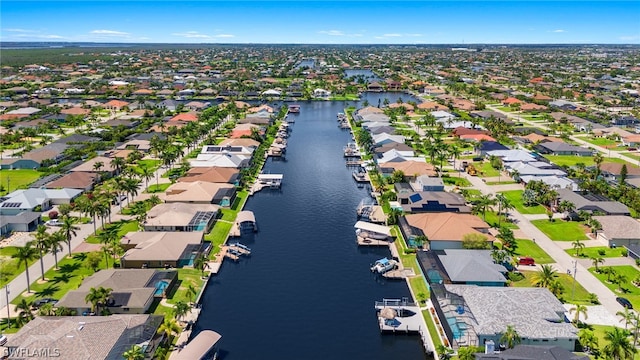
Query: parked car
[54, 222]
[526, 261]
[632, 149]
[3, 340]
[624, 302]
[40, 302]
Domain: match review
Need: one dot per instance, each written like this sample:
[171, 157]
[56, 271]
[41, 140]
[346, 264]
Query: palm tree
[598, 159]
[621, 279]
[545, 276]
[466, 353]
[626, 316]
[482, 204]
[588, 340]
[46, 310]
[117, 163]
[40, 243]
[98, 166]
[578, 309]
[25, 254]
[596, 260]
[54, 244]
[106, 237]
[619, 346]
[200, 263]
[169, 327]
[504, 204]
[556, 288]
[510, 338]
[68, 229]
[508, 239]
[577, 247]
[444, 353]
[23, 308]
[134, 353]
[146, 172]
[191, 293]
[180, 309]
[98, 297]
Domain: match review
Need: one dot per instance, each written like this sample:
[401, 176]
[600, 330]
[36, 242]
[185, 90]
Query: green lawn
[504, 108]
[9, 267]
[631, 291]
[419, 286]
[561, 230]
[69, 276]
[505, 182]
[433, 332]
[527, 248]
[581, 295]
[124, 227]
[156, 188]
[590, 252]
[218, 235]
[11, 180]
[470, 193]
[604, 142]
[455, 181]
[572, 160]
[485, 170]
[515, 198]
[491, 218]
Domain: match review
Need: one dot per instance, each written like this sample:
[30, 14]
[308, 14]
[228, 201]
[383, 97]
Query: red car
[526, 261]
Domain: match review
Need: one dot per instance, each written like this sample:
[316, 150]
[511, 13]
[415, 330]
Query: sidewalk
[563, 260]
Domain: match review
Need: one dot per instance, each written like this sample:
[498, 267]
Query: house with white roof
[555, 182]
[515, 155]
[384, 138]
[29, 199]
[221, 160]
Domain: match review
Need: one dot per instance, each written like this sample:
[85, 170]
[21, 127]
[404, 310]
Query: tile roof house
[561, 148]
[74, 180]
[461, 266]
[411, 168]
[89, 337]
[592, 202]
[201, 192]
[221, 160]
[532, 352]
[212, 174]
[444, 230]
[156, 249]
[90, 165]
[478, 314]
[618, 230]
[245, 142]
[115, 105]
[180, 216]
[133, 290]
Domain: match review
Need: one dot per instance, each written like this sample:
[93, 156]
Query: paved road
[18, 285]
[563, 260]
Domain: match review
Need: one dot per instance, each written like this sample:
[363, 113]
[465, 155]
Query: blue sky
[322, 22]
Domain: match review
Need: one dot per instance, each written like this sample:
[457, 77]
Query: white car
[54, 222]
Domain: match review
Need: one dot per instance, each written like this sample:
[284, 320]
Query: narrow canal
[307, 291]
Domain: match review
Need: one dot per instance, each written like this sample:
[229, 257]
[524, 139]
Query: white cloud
[224, 36]
[559, 31]
[109, 33]
[392, 35]
[332, 32]
[192, 35]
[414, 35]
[20, 30]
[630, 37]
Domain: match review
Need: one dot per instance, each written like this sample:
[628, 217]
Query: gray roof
[471, 266]
[87, 337]
[24, 217]
[534, 312]
[619, 227]
[560, 146]
[532, 352]
[581, 203]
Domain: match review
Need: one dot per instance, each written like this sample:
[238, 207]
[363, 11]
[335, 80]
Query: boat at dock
[341, 116]
[383, 265]
[294, 109]
[360, 175]
[351, 150]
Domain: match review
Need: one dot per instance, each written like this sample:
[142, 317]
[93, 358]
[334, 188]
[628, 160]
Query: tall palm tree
[588, 340]
[25, 254]
[169, 327]
[482, 204]
[510, 338]
[619, 347]
[504, 204]
[106, 237]
[597, 159]
[98, 297]
[596, 260]
[626, 316]
[200, 263]
[134, 353]
[40, 243]
[577, 247]
[117, 163]
[578, 309]
[23, 308]
[54, 244]
[180, 309]
[146, 172]
[69, 229]
[191, 292]
[545, 276]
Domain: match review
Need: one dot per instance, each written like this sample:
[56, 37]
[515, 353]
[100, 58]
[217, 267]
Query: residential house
[200, 192]
[619, 230]
[245, 142]
[243, 130]
[133, 291]
[444, 230]
[89, 337]
[484, 147]
[321, 93]
[136, 144]
[430, 201]
[168, 104]
[626, 120]
[631, 141]
[74, 180]
[115, 105]
[401, 147]
[461, 266]
[158, 249]
[212, 175]
[221, 160]
[427, 183]
[532, 352]
[613, 171]
[561, 148]
[25, 221]
[538, 169]
[554, 181]
[258, 118]
[563, 105]
[384, 139]
[537, 315]
[98, 164]
[180, 216]
[227, 149]
[34, 159]
[394, 155]
[515, 155]
[22, 200]
[410, 168]
[592, 202]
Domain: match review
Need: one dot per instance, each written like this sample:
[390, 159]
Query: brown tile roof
[74, 180]
[211, 174]
[447, 226]
[412, 168]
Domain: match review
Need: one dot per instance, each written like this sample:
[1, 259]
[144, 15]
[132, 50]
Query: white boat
[383, 265]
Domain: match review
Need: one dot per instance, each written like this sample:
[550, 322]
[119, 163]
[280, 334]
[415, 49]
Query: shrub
[410, 251]
[637, 262]
[515, 276]
[602, 252]
[53, 214]
[624, 252]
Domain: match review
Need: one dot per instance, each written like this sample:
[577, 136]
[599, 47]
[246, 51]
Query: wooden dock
[354, 162]
[362, 241]
[399, 273]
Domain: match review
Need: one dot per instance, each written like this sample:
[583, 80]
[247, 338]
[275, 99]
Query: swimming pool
[456, 328]
[160, 287]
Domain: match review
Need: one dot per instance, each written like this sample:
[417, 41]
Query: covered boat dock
[201, 347]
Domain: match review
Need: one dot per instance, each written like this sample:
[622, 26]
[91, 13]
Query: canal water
[306, 292]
